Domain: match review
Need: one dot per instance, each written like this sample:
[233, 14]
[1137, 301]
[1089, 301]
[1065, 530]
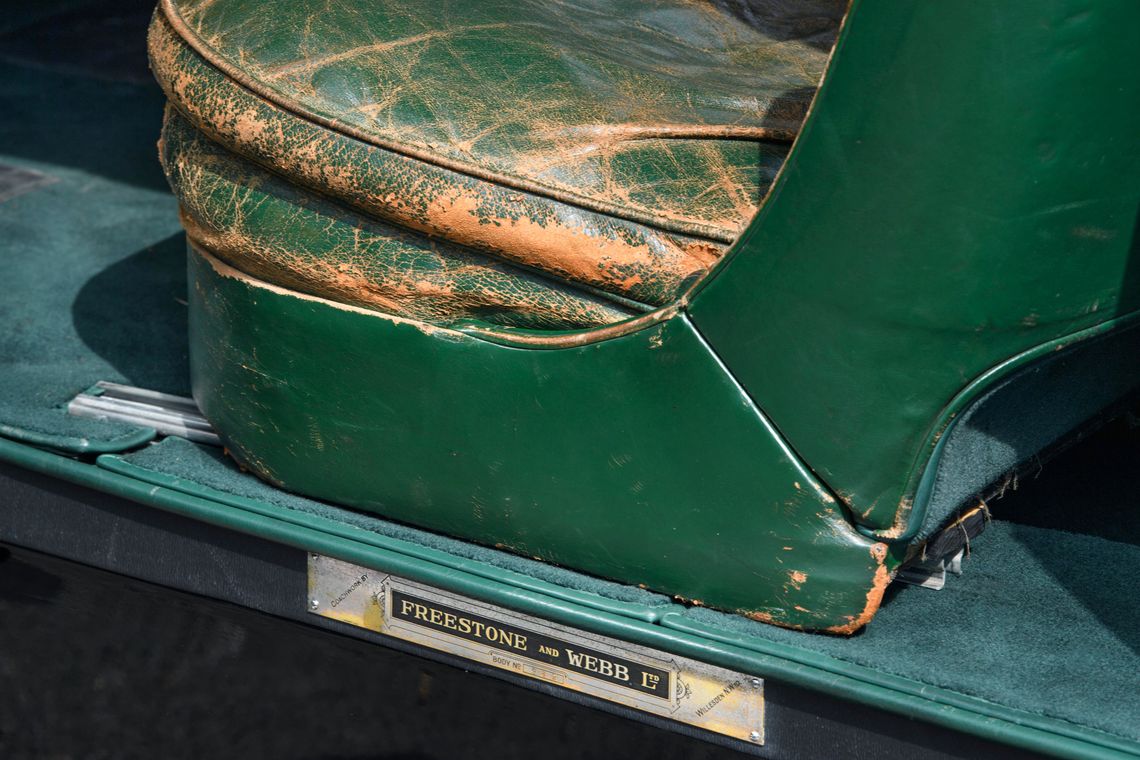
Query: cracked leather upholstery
[294, 238]
[539, 164]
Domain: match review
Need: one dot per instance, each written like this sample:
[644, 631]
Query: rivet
[755, 683]
[313, 604]
[754, 736]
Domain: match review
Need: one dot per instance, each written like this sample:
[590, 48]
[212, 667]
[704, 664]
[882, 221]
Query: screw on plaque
[754, 736]
[313, 604]
[755, 683]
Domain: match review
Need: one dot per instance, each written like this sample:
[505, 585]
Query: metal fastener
[754, 736]
[755, 683]
[313, 604]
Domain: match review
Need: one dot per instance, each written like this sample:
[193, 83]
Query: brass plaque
[646, 679]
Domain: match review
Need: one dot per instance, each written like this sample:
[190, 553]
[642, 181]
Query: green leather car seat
[613, 286]
[572, 165]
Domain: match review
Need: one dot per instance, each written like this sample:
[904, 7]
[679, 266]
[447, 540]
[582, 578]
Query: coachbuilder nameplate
[672, 687]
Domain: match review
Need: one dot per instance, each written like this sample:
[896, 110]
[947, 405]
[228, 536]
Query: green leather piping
[170, 13]
[825, 674]
[810, 477]
[920, 480]
[521, 337]
[506, 336]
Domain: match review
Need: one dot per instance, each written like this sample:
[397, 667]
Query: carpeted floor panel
[94, 270]
[1042, 621]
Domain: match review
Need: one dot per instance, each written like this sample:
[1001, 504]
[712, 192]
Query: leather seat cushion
[294, 238]
[615, 149]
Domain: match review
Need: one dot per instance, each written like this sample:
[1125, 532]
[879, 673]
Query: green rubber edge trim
[409, 548]
[765, 659]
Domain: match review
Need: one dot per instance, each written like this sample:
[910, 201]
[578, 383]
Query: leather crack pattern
[278, 232]
[673, 113]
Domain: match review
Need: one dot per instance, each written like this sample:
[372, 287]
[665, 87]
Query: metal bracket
[932, 573]
[167, 414]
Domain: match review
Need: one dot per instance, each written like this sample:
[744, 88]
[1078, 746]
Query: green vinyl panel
[965, 189]
[637, 458]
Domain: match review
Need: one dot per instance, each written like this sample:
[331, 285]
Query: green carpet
[94, 275]
[1042, 620]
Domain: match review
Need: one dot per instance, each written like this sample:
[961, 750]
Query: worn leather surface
[569, 96]
[619, 157]
[571, 243]
[285, 235]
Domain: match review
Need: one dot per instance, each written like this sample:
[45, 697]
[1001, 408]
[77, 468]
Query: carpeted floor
[94, 277]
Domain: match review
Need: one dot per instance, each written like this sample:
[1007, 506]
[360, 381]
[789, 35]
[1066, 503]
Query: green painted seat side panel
[589, 100]
[915, 242]
[626, 258]
[280, 233]
[636, 458]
